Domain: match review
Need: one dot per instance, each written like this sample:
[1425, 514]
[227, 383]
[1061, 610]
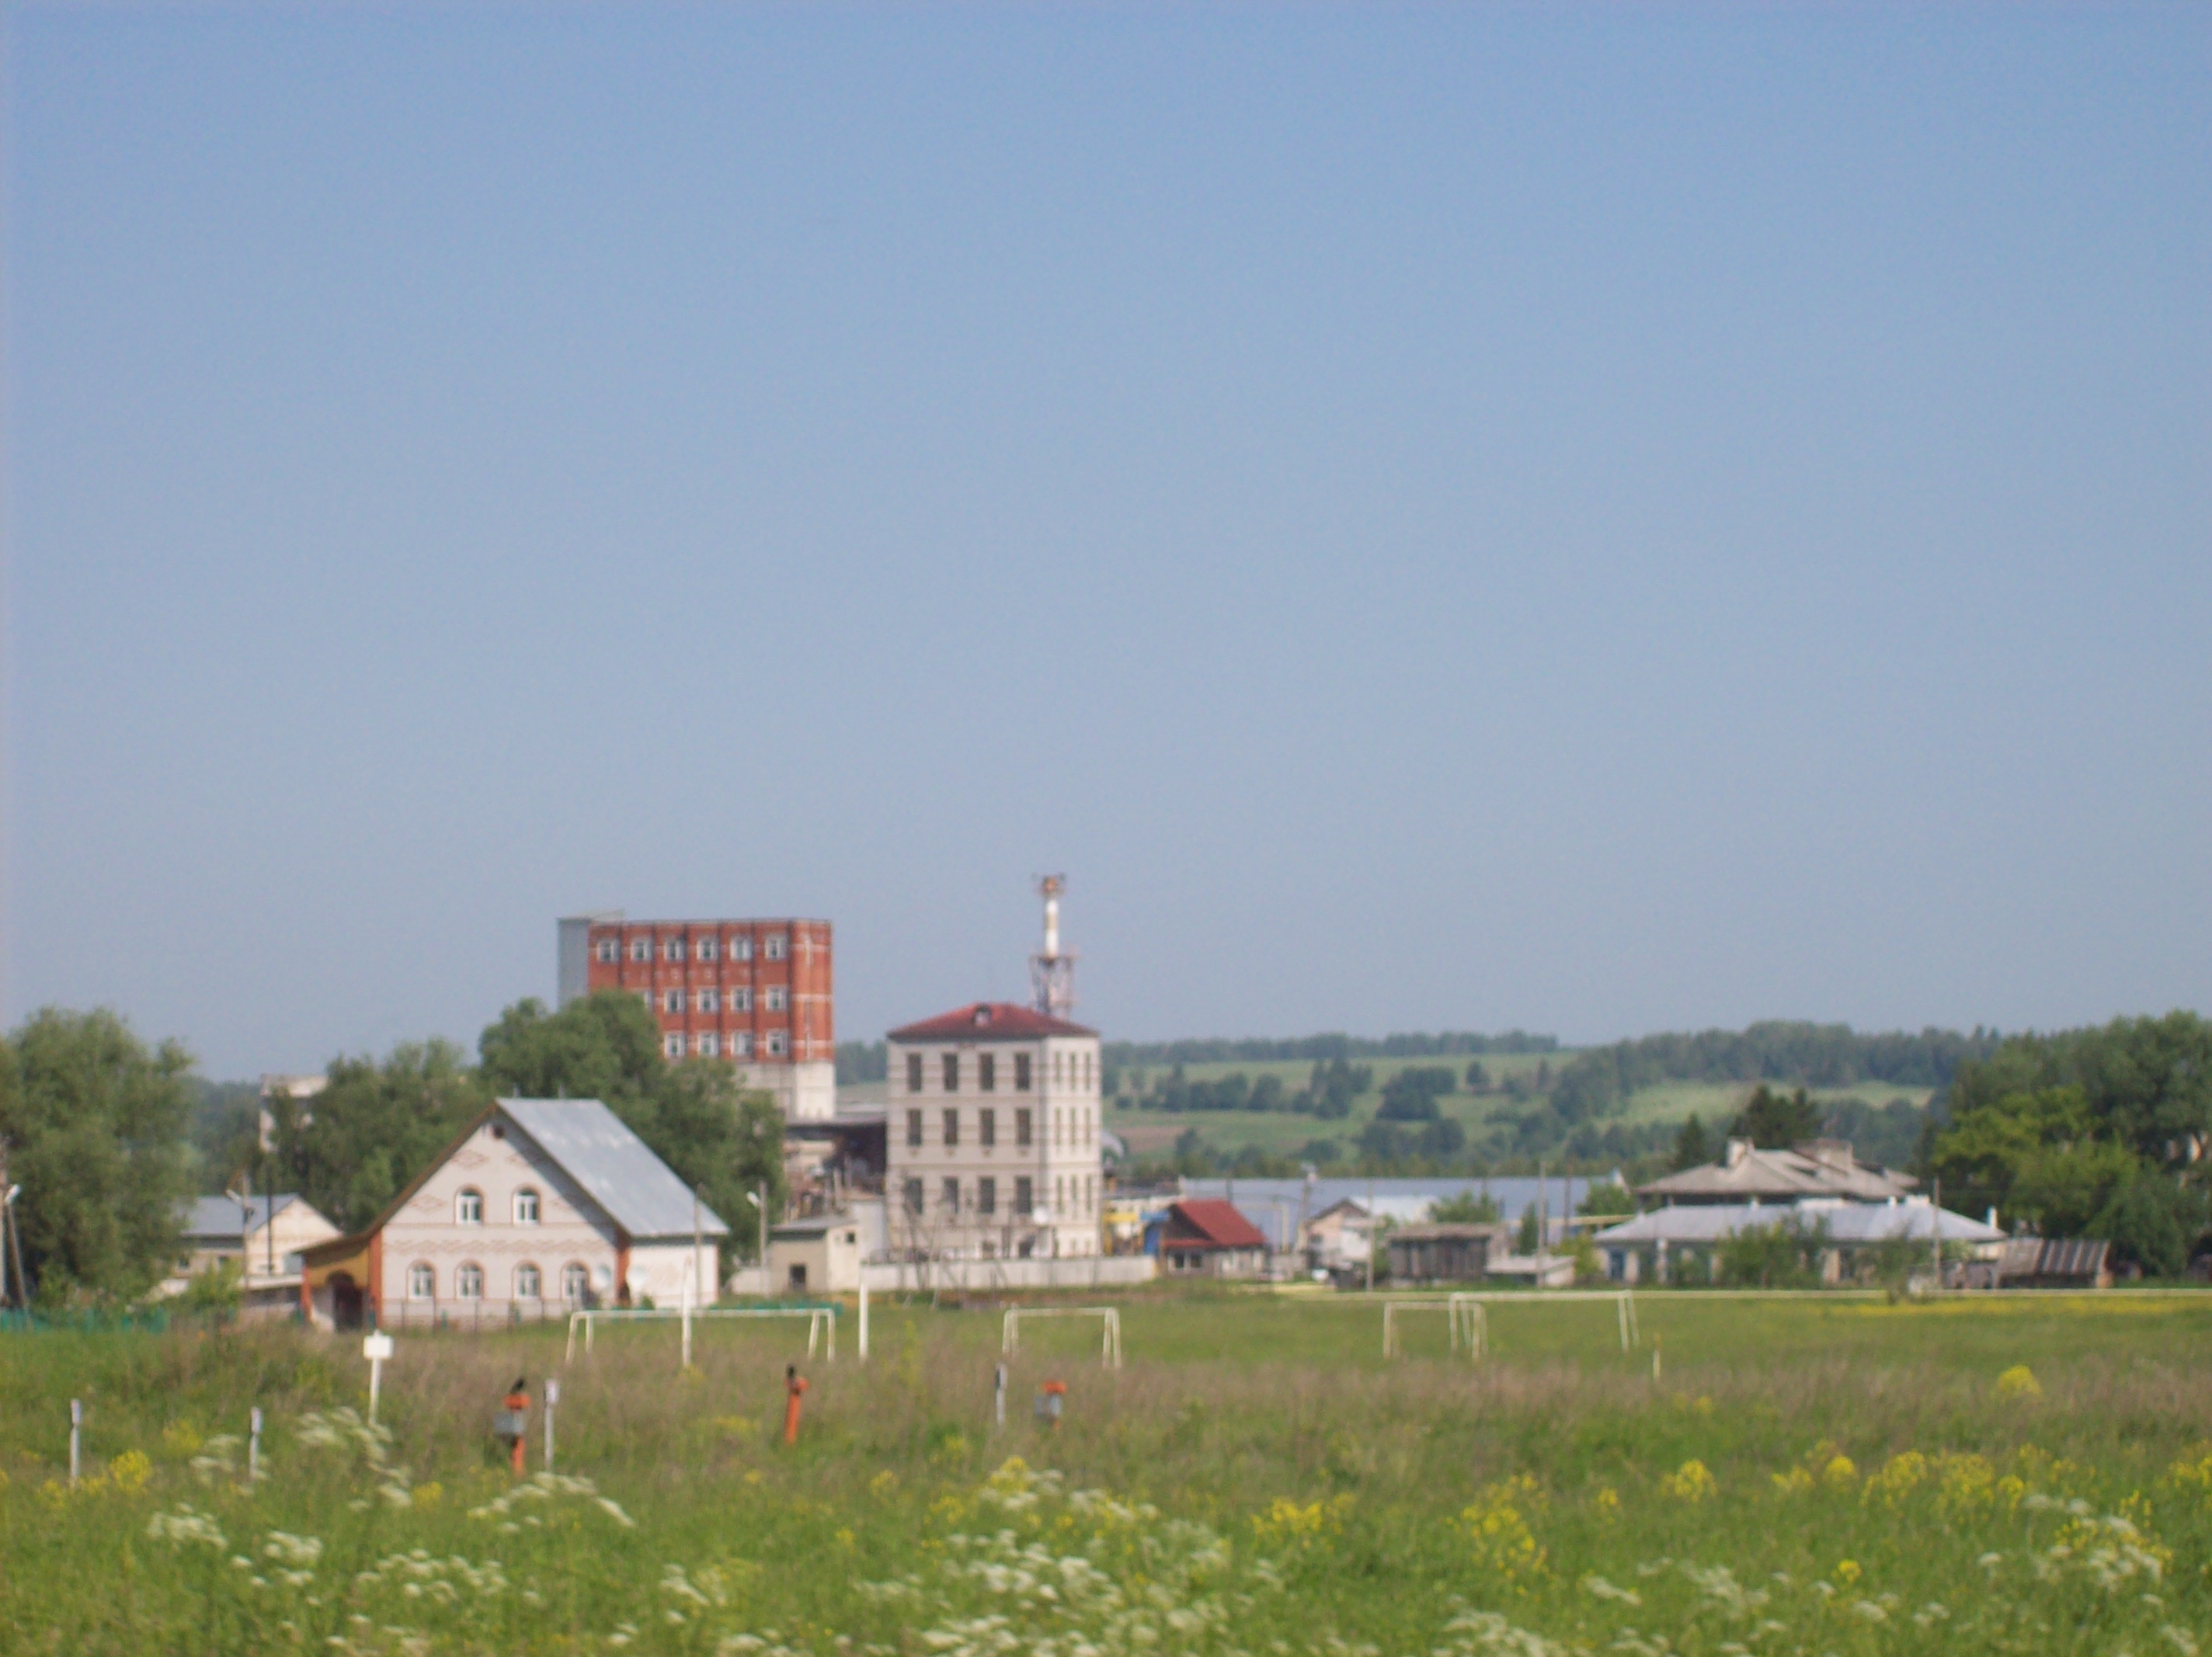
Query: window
[951, 1198]
[468, 1207]
[422, 1281]
[646, 996]
[795, 1280]
[951, 1129]
[671, 1001]
[641, 949]
[1021, 1072]
[672, 1046]
[525, 1206]
[708, 1046]
[707, 1001]
[468, 1282]
[1059, 1196]
[576, 1282]
[741, 1044]
[987, 1127]
[528, 1286]
[671, 949]
[950, 1063]
[912, 1196]
[741, 1000]
[741, 947]
[987, 1072]
[986, 1196]
[1022, 1128]
[1059, 1068]
[778, 998]
[1024, 1204]
[914, 1130]
[705, 950]
[609, 949]
[914, 1072]
[777, 945]
[779, 1042]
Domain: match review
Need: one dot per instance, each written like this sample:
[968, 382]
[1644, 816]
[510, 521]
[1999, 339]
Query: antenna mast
[1052, 972]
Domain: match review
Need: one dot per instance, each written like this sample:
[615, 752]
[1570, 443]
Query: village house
[540, 1206]
[1208, 1237]
[267, 1232]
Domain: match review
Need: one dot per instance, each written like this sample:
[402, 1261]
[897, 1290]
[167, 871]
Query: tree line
[1265, 1049]
[107, 1135]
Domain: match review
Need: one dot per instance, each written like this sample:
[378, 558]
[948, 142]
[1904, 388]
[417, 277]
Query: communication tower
[1052, 973]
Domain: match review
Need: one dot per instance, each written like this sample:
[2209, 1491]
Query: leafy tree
[1478, 1078]
[721, 1141]
[1411, 1095]
[605, 1046]
[96, 1125]
[1468, 1208]
[1775, 1121]
[225, 1133]
[1529, 1240]
[1784, 1255]
[2152, 1221]
[1691, 1148]
[351, 1148]
[1608, 1199]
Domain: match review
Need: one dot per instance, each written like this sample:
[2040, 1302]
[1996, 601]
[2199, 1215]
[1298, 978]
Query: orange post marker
[514, 1422]
[793, 1385]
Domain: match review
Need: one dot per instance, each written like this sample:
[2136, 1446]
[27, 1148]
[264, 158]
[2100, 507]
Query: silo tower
[1052, 971]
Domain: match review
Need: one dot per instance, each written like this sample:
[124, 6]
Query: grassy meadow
[1153, 1132]
[1817, 1474]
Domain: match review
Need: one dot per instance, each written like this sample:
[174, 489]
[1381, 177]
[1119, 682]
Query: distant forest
[1217, 1050]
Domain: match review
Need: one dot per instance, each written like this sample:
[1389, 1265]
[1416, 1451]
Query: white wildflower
[185, 1525]
[1598, 1589]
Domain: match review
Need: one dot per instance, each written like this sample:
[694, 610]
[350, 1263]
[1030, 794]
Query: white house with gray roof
[539, 1207]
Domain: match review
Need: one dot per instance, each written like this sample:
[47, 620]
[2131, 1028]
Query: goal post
[1466, 1326]
[821, 1321]
[1110, 1333]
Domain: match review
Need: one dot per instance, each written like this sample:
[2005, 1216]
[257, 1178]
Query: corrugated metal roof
[219, 1217]
[1846, 1222]
[639, 1192]
[1219, 1225]
[1275, 1205]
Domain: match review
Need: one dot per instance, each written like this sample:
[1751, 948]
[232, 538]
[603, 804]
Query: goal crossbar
[1110, 1334]
[819, 1320]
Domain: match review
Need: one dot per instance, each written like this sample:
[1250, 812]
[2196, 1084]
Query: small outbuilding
[1442, 1252]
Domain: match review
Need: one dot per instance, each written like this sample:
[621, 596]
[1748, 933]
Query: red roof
[1216, 1224]
[989, 1020]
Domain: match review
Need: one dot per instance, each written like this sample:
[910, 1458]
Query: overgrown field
[1816, 1476]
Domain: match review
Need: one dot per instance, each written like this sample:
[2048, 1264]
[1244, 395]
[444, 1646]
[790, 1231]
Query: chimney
[1737, 1151]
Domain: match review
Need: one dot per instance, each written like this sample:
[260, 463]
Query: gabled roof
[219, 1217]
[1844, 1223]
[596, 1149]
[1824, 1168]
[1213, 1223]
[989, 1020]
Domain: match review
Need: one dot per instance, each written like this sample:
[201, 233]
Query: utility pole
[1936, 1229]
[698, 1268]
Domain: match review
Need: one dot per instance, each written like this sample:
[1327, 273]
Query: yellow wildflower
[429, 1494]
[1608, 1502]
[1690, 1482]
[2019, 1381]
[1840, 1474]
[1900, 1476]
[1847, 1571]
[1499, 1532]
[883, 1483]
[131, 1471]
[1796, 1482]
[181, 1438]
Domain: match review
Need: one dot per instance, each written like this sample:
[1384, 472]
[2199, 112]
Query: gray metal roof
[218, 1216]
[617, 1171]
[1846, 1222]
[1273, 1205]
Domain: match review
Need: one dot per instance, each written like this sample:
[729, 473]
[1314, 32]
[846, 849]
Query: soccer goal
[821, 1322]
[1110, 1334]
[1468, 1328]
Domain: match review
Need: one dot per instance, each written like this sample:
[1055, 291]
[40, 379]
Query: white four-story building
[993, 1136]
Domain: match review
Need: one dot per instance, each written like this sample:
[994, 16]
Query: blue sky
[1593, 519]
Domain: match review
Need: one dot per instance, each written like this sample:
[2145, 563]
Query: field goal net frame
[1109, 1335]
[1470, 1325]
[817, 1318]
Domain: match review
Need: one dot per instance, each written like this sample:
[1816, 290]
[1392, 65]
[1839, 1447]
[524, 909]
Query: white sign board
[376, 1347]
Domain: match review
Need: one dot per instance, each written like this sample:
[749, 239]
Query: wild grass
[1815, 1476]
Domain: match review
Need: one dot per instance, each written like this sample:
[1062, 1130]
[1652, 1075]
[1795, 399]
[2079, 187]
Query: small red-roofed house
[1208, 1237]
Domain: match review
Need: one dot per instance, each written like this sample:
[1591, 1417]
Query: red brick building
[757, 993]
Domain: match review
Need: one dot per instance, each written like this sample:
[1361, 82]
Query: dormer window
[468, 1207]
